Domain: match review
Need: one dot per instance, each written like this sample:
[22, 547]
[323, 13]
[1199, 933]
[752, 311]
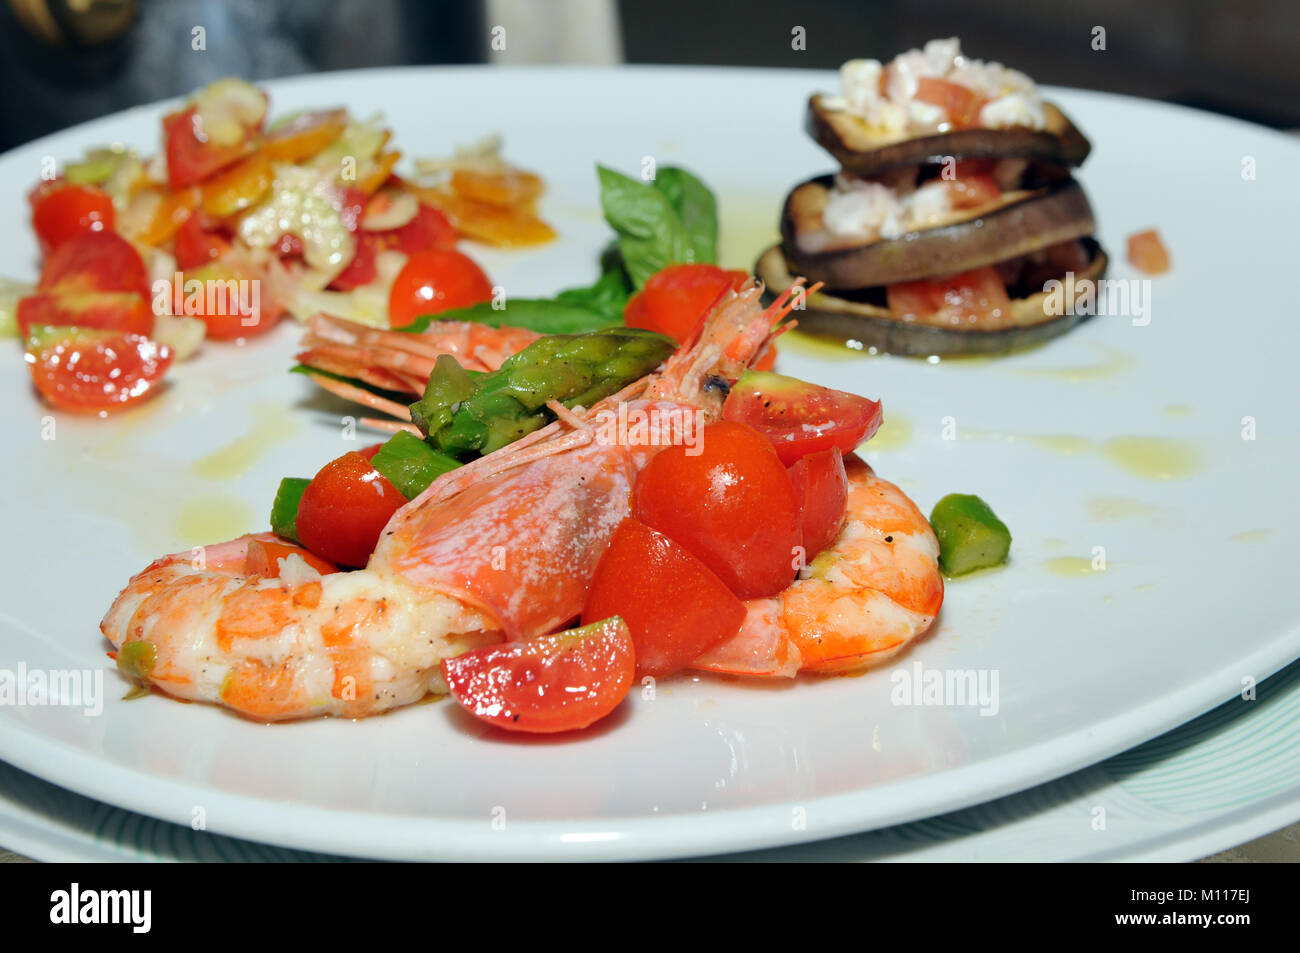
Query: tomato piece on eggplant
[732, 504]
[674, 605]
[801, 418]
[560, 682]
[966, 300]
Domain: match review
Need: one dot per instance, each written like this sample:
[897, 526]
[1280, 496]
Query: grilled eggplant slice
[864, 317]
[1018, 223]
[864, 152]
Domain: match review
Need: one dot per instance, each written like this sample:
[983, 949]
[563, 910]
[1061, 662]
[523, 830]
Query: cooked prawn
[502, 547]
[860, 602]
[400, 361]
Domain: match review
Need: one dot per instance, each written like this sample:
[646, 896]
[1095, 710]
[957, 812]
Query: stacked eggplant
[905, 275]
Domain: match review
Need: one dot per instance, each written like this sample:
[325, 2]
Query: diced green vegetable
[970, 534]
[410, 464]
[136, 660]
[284, 511]
[465, 416]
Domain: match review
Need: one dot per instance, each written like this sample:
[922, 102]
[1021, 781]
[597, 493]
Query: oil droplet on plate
[1251, 536]
[1177, 410]
[1106, 509]
[1071, 566]
[894, 434]
[1115, 363]
[1156, 458]
[208, 519]
[1061, 443]
[274, 424]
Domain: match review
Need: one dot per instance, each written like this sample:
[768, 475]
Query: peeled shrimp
[862, 601]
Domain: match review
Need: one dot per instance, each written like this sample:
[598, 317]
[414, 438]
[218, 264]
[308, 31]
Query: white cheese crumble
[885, 95]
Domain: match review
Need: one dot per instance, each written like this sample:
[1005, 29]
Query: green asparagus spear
[465, 414]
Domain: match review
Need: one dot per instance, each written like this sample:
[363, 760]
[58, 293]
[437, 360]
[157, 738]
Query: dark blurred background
[65, 61]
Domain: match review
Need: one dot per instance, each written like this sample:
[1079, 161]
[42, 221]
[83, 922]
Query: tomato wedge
[733, 505]
[61, 211]
[86, 370]
[95, 261]
[560, 682]
[823, 488]
[344, 509]
[105, 311]
[801, 418]
[675, 299]
[674, 605]
[198, 245]
[190, 158]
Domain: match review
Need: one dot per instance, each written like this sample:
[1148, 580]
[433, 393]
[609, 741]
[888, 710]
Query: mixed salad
[238, 222]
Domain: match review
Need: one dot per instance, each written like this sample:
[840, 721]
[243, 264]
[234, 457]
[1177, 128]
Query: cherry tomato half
[95, 261]
[674, 604]
[61, 211]
[102, 310]
[801, 418]
[344, 509]
[436, 280]
[675, 299]
[191, 159]
[733, 505]
[223, 300]
[823, 488]
[97, 370]
[559, 682]
[198, 245]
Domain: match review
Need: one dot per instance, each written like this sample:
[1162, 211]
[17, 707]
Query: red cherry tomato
[733, 505]
[222, 298]
[95, 261]
[559, 682]
[823, 488]
[801, 418]
[436, 280]
[103, 310]
[97, 370]
[61, 211]
[264, 555]
[344, 509]
[674, 605]
[361, 269]
[197, 245]
[189, 158]
[675, 299]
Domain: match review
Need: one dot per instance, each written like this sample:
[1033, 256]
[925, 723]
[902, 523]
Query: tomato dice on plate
[559, 682]
[823, 488]
[675, 606]
[675, 299]
[801, 418]
[436, 280]
[733, 505]
[88, 370]
[61, 211]
[345, 508]
[1147, 253]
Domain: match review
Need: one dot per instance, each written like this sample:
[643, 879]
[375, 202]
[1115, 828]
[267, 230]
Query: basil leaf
[650, 233]
[696, 208]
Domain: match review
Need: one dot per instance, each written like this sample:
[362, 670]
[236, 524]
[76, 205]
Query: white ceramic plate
[1218, 781]
[1194, 597]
